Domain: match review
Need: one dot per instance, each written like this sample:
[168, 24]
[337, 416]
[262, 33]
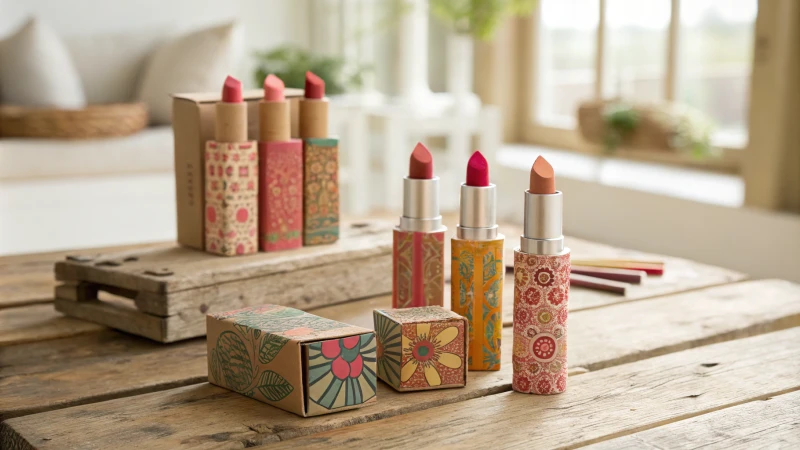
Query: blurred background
[671, 124]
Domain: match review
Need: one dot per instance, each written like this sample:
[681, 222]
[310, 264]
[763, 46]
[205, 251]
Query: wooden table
[698, 357]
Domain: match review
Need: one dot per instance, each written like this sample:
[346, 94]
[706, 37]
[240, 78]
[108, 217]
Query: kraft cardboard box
[421, 348]
[292, 360]
[193, 125]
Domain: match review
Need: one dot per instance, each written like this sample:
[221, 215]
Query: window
[696, 52]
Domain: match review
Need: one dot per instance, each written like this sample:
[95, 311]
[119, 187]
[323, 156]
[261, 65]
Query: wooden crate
[174, 288]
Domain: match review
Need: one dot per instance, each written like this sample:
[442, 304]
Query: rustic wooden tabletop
[698, 357]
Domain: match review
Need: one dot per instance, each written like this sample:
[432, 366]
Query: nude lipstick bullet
[477, 266]
[541, 290]
[418, 263]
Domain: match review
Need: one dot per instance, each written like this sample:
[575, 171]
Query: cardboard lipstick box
[421, 348]
[193, 125]
[291, 359]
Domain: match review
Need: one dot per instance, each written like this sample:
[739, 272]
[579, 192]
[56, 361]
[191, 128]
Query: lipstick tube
[541, 293]
[418, 263]
[280, 173]
[477, 271]
[231, 187]
[321, 167]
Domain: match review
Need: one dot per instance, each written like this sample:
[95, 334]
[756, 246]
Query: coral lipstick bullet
[418, 263]
[477, 266]
[541, 290]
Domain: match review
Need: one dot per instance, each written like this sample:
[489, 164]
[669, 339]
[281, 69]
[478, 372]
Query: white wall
[267, 22]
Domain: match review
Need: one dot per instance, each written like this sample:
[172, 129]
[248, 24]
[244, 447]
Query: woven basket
[94, 121]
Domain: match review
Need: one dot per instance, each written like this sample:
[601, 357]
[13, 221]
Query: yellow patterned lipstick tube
[477, 293]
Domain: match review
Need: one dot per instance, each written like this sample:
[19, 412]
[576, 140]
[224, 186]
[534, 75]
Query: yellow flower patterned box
[421, 348]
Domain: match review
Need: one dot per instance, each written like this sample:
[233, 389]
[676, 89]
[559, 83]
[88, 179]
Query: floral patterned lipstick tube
[280, 173]
[477, 267]
[541, 292]
[321, 167]
[418, 252]
[231, 187]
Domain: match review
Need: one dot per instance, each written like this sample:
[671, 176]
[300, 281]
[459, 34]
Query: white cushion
[147, 151]
[195, 62]
[36, 70]
[110, 64]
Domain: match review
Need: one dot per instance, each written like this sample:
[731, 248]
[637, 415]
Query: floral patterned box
[421, 348]
[291, 359]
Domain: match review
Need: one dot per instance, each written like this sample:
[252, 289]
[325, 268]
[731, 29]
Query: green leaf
[466, 265]
[215, 372]
[489, 267]
[241, 327]
[271, 345]
[256, 333]
[273, 386]
[492, 294]
[234, 360]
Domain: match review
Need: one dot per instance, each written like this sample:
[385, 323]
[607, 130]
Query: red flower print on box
[543, 277]
[544, 347]
[532, 296]
[521, 383]
[543, 385]
[556, 296]
[522, 315]
[561, 384]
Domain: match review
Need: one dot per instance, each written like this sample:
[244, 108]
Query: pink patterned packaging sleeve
[231, 191]
[541, 297]
[280, 204]
[418, 271]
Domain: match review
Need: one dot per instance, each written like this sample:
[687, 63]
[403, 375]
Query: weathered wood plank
[206, 415]
[598, 405]
[36, 322]
[304, 289]
[93, 367]
[191, 269]
[771, 423]
[28, 279]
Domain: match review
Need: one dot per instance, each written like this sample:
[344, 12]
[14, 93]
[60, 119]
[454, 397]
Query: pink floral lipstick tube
[541, 291]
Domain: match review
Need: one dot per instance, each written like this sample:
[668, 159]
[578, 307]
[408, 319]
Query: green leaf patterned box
[421, 348]
[291, 359]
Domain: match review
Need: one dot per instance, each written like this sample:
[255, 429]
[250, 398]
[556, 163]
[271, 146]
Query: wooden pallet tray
[174, 288]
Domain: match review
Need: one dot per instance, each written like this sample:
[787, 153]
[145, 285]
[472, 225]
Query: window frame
[532, 132]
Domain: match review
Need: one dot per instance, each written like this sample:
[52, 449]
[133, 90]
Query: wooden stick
[624, 275]
[598, 284]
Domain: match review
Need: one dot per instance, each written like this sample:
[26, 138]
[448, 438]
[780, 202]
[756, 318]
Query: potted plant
[469, 20]
[290, 65]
